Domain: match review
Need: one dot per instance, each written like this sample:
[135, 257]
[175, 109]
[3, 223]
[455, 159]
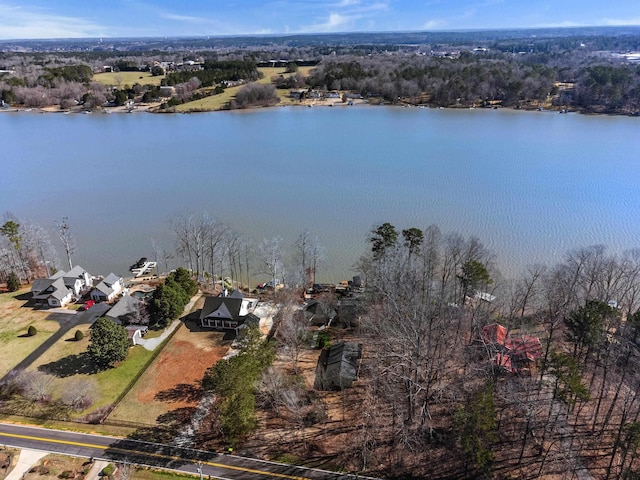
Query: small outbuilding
[338, 366]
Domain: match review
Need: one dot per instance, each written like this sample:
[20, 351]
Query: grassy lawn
[148, 474]
[120, 79]
[16, 319]
[66, 359]
[67, 362]
[216, 102]
[113, 381]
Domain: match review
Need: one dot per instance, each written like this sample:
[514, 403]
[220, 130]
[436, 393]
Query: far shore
[154, 108]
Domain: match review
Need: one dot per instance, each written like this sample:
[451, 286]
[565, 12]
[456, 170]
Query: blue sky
[139, 18]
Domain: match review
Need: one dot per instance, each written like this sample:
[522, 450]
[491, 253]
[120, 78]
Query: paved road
[230, 467]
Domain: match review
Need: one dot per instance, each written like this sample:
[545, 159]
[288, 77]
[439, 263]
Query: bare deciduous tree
[68, 242]
[79, 393]
[292, 332]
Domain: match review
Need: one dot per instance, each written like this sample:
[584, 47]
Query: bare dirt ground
[55, 467]
[172, 382]
[281, 436]
[8, 459]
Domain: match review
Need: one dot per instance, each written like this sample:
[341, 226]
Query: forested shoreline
[583, 73]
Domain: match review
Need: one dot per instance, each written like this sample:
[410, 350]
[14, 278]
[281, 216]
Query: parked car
[87, 305]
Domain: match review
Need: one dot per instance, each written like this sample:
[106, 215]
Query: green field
[16, 319]
[120, 79]
[216, 102]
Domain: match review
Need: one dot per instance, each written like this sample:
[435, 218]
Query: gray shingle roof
[339, 368]
[111, 279]
[124, 310]
[104, 288]
[75, 272]
[232, 305]
[41, 284]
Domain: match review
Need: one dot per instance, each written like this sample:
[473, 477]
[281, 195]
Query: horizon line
[309, 34]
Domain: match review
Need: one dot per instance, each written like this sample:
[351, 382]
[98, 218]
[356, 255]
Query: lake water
[530, 185]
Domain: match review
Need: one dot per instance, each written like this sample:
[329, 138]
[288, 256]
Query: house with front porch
[229, 312]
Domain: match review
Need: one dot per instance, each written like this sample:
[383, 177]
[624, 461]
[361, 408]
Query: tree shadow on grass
[152, 445]
[183, 392]
[80, 363]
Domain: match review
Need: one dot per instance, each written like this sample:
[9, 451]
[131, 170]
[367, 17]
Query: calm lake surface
[530, 185]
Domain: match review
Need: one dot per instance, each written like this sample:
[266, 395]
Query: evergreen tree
[108, 344]
[13, 282]
[383, 237]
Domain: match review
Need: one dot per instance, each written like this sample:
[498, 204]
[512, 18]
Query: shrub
[255, 94]
[109, 470]
[324, 339]
[32, 331]
[13, 282]
[78, 335]
[79, 394]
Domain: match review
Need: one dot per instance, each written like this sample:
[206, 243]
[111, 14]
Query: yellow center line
[153, 454]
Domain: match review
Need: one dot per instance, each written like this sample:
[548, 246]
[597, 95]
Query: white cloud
[21, 23]
[335, 22]
[612, 22]
[434, 24]
[182, 18]
[345, 16]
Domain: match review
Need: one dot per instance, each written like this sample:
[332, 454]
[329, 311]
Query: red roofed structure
[512, 354]
[496, 334]
[503, 361]
[526, 348]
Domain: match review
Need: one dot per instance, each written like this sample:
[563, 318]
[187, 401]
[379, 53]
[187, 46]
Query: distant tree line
[255, 95]
[557, 69]
[484, 79]
[214, 72]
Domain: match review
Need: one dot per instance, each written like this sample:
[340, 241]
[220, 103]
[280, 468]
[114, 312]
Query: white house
[108, 289]
[51, 292]
[77, 279]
